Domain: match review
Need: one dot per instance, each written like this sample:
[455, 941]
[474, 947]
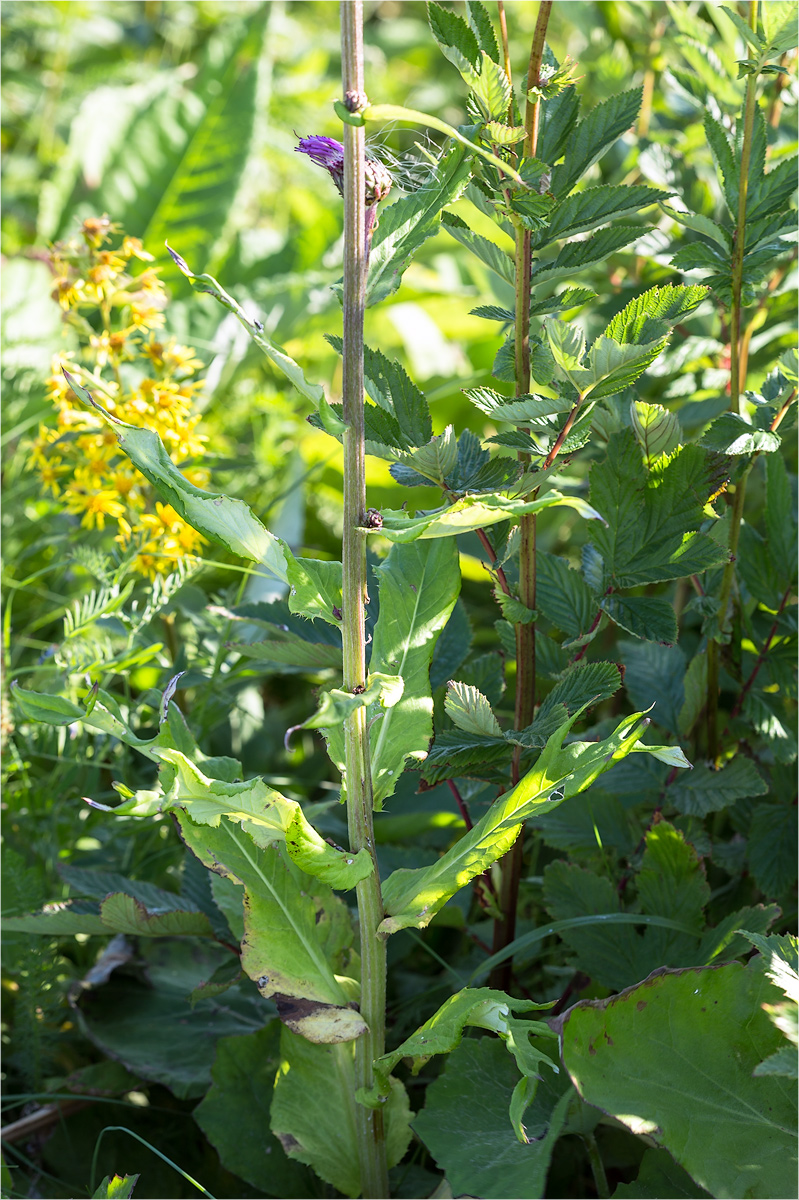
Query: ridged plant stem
[511, 868]
[370, 1132]
[737, 383]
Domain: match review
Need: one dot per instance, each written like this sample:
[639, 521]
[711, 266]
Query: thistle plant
[610, 666]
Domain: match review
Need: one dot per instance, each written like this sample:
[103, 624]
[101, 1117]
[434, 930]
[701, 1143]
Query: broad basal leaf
[693, 1035]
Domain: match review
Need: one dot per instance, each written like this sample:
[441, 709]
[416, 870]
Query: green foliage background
[180, 121]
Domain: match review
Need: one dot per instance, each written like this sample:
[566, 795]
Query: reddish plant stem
[489, 549]
[761, 658]
[463, 808]
[511, 867]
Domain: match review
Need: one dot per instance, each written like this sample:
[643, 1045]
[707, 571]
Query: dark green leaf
[575, 256]
[705, 790]
[457, 41]
[649, 617]
[594, 136]
[771, 847]
[562, 595]
[595, 206]
[488, 252]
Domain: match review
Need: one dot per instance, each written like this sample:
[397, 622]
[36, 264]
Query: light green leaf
[651, 315]
[234, 1114]
[731, 434]
[314, 587]
[409, 222]
[412, 897]
[492, 88]
[657, 1058]
[469, 710]
[481, 27]
[276, 355]
[217, 517]
[487, 251]
[116, 1187]
[264, 814]
[656, 430]
[518, 411]
[419, 585]
[296, 934]
[457, 41]
[747, 33]
[482, 1008]
[613, 367]
[780, 959]
[337, 706]
[469, 513]
[779, 19]
[504, 135]
[567, 344]
[314, 1112]
[700, 224]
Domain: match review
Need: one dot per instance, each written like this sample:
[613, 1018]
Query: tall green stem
[737, 382]
[371, 1139]
[505, 929]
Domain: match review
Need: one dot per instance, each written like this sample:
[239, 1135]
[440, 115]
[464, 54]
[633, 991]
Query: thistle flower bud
[328, 153]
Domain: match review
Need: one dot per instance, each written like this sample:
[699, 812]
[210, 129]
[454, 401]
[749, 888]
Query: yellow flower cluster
[116, 316]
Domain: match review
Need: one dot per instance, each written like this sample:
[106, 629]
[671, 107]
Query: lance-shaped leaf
[594, 136]
[296, 935]
[574, 256]
[220, 518]
[390, 386]
[482, 1008]
[264, 814]
[412, 897]
[469, 513]
[594, 207]
[470, 710]
[489, 253]
[518, 411]
[276, 355]
[314, 1112]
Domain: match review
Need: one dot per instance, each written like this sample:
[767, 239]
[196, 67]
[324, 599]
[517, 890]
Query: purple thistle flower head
[325, 152]
[328, 153]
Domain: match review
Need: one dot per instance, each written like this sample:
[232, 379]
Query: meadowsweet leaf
[656, 430]
[563, 596]
[771, 847]
[582, 685]
[724, 158]
[220, 518]
[313, 1112]
[437, 460]
[705, 790]
[594, 136]
[612, 367]
[700, 224]
[481, 27]
[650, 535]
[390, 386]
[455, 752]
[492, 88]
[470, 710]
[504, 135]
[405, 225]
[779, 515]
[297, 934]
[569, 298]
[595, 206]
[469, 513]
[491, 312]
[670, 883]
[557, 121]
[650, 618]
[644, 1051]
[412, 897]
[651, 315]
[457, 41]
[265, 816]
[574, 256]
[518, 411]
[731, 434]
[488, 252]
[747, 33]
